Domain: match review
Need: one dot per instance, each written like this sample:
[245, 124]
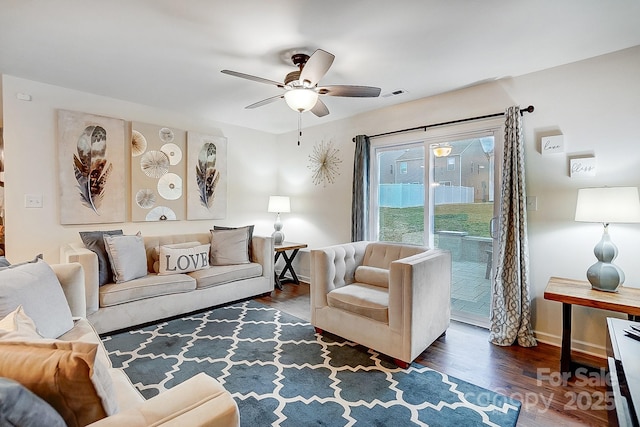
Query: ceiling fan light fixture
[301, 99]
[442, 150]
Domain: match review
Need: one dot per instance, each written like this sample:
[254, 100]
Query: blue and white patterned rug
[283, 374]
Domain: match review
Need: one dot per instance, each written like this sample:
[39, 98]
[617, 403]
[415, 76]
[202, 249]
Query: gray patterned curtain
[360, 196]
[511, 308]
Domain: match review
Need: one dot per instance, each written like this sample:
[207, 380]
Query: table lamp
[278, 204]
[607, 205]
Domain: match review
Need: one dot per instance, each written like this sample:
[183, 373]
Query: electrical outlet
[532, 203]
[33, 200]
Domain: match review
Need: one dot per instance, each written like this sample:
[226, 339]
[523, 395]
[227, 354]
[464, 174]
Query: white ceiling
[169, 53]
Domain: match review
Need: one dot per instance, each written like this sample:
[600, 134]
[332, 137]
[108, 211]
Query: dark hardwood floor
[527, 374]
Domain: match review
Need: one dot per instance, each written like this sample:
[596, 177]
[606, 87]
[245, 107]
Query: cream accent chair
[392, 298]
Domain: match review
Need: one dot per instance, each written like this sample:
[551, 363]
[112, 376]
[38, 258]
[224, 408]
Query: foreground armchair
[392, 298]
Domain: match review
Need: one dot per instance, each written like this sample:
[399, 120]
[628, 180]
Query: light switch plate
[33, 200]
[532, 203]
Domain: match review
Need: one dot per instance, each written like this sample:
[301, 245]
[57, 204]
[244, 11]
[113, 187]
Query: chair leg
[401, 363]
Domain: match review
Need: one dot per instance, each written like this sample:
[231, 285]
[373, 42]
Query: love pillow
[176, 259]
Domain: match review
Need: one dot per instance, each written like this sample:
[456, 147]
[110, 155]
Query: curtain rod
[529, 109]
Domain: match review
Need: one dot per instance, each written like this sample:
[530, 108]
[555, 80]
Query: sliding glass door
[463, 179]
[441, 192]
[399, 198]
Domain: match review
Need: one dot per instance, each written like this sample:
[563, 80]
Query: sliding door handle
[492, 228]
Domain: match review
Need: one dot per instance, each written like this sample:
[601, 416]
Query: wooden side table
[288, 260]
[568, 292]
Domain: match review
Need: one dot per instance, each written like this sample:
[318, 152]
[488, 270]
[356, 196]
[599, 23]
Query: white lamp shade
[608, 205]
[279, 204]
[301, 99]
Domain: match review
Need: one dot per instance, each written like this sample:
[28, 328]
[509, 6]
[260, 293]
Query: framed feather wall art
[157, 172]
[206, 176]
[91, 168]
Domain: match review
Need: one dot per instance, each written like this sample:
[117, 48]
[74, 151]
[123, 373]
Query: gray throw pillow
[94, 241]
[7, 264]
[35, 286]
[20, 407]
[229, 247]
[127, 255]
[249, 230]
[4, 262]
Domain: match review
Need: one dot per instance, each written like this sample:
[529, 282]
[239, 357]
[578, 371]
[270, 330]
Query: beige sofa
[199, 401]
[116, 306]
[390, 297]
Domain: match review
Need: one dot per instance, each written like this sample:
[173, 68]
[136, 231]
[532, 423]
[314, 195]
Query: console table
[568, 292]
[288, 260]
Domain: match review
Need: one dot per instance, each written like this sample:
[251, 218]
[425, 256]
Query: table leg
[565, 356]
[275, 274]
[289, 267]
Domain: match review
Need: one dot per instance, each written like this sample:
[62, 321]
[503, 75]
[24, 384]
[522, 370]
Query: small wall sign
[583, 166]
[552, 144]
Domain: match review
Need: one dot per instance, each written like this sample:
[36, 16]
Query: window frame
[431, 137]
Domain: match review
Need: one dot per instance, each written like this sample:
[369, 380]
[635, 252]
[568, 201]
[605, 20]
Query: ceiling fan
[301, 86]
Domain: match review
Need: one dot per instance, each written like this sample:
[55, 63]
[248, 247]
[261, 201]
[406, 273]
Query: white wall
[31, 154]
[593, 103]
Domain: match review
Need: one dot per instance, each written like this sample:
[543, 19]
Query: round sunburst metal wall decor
[324, 163]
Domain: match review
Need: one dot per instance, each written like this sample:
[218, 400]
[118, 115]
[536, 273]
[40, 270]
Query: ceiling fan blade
[320, 109]
[265, 102]
[353, 91]
[254, 78]
[316, 67]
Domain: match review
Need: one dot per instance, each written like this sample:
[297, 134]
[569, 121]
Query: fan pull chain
[299, 127]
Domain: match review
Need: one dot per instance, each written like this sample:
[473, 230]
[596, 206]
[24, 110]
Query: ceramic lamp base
[604, 275]
[278, 235]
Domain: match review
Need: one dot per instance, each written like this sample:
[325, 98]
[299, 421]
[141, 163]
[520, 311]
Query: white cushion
[36, 287]
[127, 255]
[17, 325]
[230, 247]
[183, 258]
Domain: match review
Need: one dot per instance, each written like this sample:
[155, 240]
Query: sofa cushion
[20, 407]
[35, 286]
[154, 252]
[127, 256]
[84, 331]
[372, 276]
[17, 325]
[230, 247]
[6, 264]
[148, 286]
[359, 298]
[250, 236]
[179, 258]
[94, 240]
[126, 394]
[65, 374]
[381, 255]
[219, 274]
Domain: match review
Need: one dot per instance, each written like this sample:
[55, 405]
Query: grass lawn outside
[472, 218]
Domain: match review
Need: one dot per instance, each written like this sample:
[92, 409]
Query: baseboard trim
[577, 346]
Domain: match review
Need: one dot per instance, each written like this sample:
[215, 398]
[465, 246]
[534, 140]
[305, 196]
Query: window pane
[401, 194]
